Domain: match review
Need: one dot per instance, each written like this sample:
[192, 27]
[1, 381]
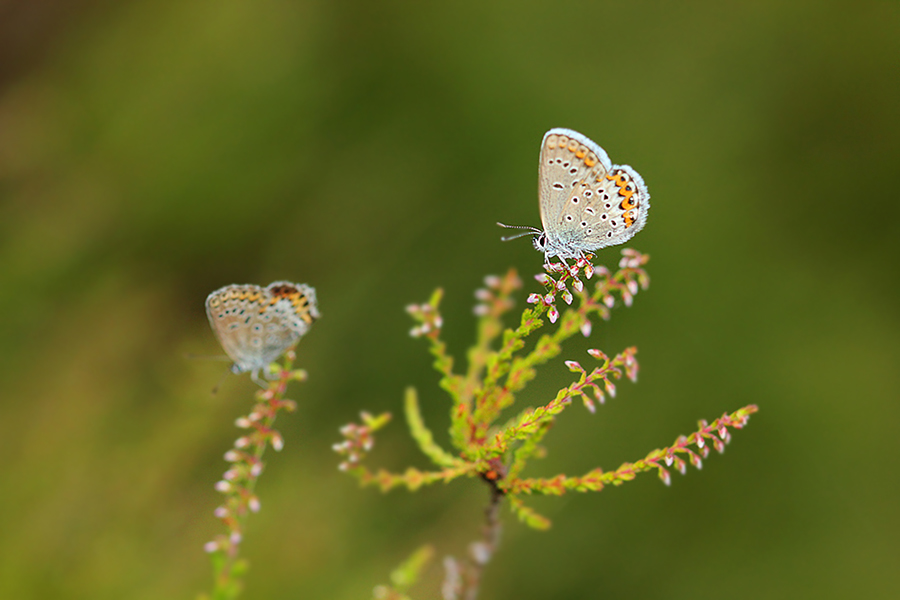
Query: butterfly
[256, 325]
[586, 202]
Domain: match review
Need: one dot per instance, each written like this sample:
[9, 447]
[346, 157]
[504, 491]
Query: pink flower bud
[588, 271]
[223, 486]
[210, 547]
[577, 284]
[574, 366]
[254, 504]
[492, 281]
[586, 328]
[221, 512]
[665, 476]
[232, 456]
[611, 388]
[242, 422]
[277, 442]
[598, 354]
[566, 296]
[553, 314]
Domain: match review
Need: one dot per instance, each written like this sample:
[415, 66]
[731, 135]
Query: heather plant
[492, 438]
[239, 481]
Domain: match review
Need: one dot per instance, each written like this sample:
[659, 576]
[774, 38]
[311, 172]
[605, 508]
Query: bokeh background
[151, 152]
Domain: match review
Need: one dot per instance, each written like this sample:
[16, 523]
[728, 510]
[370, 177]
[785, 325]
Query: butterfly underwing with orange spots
[256, 325]
[586, 202]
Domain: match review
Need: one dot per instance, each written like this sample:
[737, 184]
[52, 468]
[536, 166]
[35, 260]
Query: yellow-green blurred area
[151, 152]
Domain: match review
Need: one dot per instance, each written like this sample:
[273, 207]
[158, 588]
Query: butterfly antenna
[530, 231]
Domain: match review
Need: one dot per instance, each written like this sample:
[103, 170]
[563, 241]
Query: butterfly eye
[540, 242]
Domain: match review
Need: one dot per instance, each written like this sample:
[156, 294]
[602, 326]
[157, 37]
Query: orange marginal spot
[629, 220]
[573, 145]
[628, 203]
[589, 161]
[580, 153]
[307, 318]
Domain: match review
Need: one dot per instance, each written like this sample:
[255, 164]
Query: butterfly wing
[586, 202]
[256, 325]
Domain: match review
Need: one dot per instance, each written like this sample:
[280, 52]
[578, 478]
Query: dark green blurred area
[151, 152]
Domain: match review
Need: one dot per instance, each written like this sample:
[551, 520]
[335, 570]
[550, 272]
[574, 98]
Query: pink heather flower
[277, 442]
[256, 469]
[210, 547]
[589, 404]
[223, 486]
[669, 459]
[254, 504]
[553, 314]
[632, 286]
[560, 285]
[230, 475]
[586, 328]
[680, 465]
[480, 552]
[628, 299]
[723, 432]
[242, 442]
[577, 284]
[574, 366]
[221, 512]
[543, 278]
[242, 422]
[665, 476]
[481, 310]
[566, 296]
[704, 451]
[696, 461]
[232, 456]
[720, 447]
[557, 267]
[588, 271]
[235, 538]
[344, 466]
[610, 388]
[549, 299]
[482, 294]
[598, 354]
[609, 301]
[534, 298]
[492, 281]
[438, 322]
[700, 441]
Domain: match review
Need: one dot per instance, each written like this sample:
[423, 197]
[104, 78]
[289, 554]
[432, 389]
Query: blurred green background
[151, 152]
